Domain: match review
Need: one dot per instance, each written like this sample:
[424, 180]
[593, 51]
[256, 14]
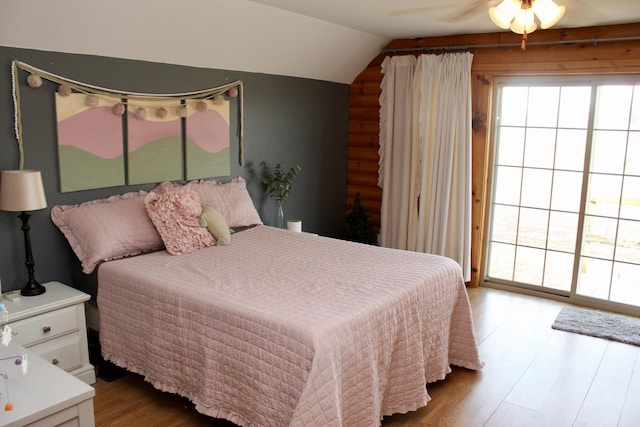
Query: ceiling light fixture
[519, 15]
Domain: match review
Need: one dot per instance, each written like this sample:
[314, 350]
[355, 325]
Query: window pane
[543, 106]
[630, 208]
[632, 165]
[599, 236]
[532, 229]
[511, 146]
[562, 231]
[574, 107]
[501, 261]
[608, 152]
[635, 110]
[536, 188]
[540, 148]
[529, 265]
[628, 243]
[567, 190]
[570, 149]
[507, 185]
[613, 106]
[602, 195]
[558, 270]
[514, 106]
[505, 224]
[625, 284]
[594, 278]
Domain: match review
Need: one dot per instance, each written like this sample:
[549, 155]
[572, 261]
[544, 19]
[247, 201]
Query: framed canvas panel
[154, 142]
[207, 144]
[90, 143]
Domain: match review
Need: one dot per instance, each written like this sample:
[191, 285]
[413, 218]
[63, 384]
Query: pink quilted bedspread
[289, 329]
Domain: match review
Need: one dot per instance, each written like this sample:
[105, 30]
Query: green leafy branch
[279, 181]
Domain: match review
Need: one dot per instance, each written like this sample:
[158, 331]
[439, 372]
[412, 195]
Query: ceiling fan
[520, 16]
[476, 8]
[466, 10]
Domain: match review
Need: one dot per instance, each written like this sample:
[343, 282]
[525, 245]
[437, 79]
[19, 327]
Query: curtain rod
[493, 45]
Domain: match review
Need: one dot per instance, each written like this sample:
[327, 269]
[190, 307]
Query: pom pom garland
[118, 109]
[140, 113]
[161, 112]
[91, 101]
[201, 106]
[64, 90]
[218, 100]
[65, 87]
[34, 81]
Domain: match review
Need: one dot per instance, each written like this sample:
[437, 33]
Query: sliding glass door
[564, 212]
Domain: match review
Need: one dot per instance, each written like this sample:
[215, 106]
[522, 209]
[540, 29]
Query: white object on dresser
[46, 396]
[53, 326]
[294, 225]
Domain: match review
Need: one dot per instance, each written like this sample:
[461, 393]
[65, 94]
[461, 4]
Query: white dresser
[45, 397]
[53, 326]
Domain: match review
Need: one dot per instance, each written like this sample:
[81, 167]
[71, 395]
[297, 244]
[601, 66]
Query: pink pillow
[106, 229]
[176, 216]
[231, 199]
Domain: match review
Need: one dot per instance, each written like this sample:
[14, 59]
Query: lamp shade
[524, 22]
[21, 190]
[548, 12]
[503, 14]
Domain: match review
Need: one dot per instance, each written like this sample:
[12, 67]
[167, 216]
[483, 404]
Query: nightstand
[53, 326]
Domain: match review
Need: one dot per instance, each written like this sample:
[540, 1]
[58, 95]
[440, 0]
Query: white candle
[294, 225]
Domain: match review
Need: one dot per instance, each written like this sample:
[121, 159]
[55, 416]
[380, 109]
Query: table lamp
[22, 191]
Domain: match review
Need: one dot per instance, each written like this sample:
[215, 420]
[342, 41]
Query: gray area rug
[614, 327]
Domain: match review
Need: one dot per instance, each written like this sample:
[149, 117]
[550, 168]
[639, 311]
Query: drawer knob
[55, 361]
[46, 329]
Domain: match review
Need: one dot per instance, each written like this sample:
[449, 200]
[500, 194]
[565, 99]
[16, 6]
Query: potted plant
[278, 182]
[359, 227]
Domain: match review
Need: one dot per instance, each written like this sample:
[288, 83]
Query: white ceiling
[330, 40]
[395, 19]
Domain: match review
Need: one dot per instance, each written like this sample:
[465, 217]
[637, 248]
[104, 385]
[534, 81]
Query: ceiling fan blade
[583, 10]
[480, 6]
[425, 9]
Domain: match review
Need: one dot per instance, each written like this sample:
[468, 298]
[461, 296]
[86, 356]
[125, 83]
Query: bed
[285, 329]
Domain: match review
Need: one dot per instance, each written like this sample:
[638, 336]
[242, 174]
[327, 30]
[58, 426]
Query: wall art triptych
[156, 140]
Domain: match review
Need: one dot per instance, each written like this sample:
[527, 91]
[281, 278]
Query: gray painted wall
[287, 120]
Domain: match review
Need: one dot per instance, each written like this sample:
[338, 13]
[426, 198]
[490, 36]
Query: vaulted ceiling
[330, 40]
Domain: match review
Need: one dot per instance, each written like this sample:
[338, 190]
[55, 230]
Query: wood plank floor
[533, 376]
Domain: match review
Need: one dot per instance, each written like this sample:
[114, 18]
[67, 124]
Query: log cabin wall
[595, 50]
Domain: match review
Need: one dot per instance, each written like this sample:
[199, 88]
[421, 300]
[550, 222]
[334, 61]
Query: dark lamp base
[32, 289]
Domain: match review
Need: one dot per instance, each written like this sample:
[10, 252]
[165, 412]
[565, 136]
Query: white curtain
[425, 155]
